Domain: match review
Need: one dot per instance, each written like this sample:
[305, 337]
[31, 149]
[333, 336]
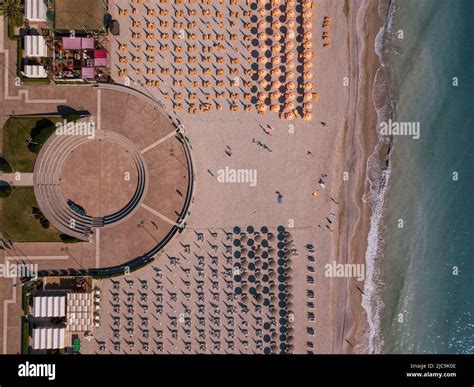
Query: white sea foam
[378, 176]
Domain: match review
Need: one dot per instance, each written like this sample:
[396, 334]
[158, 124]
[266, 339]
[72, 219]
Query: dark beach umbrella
[236, 230]
[251, 266]
[251, 255]
[264, 229]
[281, 237]
[237, 278]
[237, 242]
[264, 255]
[282, 278]
[250, 242]
[266, 302]
[237, 254]
[264, 243]
[266, 338]
[267, 351]
[250, 229]
[266, 325]
[238, 290]
[281, 245]
[280, 229]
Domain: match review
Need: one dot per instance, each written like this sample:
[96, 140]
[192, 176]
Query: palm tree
[12, 9]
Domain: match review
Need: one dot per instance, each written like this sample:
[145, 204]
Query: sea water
[420, 287]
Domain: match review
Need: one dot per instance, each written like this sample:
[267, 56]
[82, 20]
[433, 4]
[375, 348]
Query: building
[79, 312]
[35, 11]
[81, 16]
[48, 338]
[35, 46]
[34, 71]
[49, 306]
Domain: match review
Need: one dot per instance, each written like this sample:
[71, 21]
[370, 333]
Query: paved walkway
[22, 179]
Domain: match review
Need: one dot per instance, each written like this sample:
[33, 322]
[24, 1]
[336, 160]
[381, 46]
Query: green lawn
[17, 221]
[15, 132]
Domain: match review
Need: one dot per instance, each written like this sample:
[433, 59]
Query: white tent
[49, 306]
[79, 312]
[48, 338]
[35, 71]
[35, 10]
[35, 46]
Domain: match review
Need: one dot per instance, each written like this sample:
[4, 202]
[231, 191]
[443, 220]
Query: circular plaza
[123, 183]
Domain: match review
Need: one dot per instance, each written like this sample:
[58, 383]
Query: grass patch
[25, 302]
[18, 222]
[25, 337]
[16, 131]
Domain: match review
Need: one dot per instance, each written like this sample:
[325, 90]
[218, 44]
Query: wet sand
[352, 337]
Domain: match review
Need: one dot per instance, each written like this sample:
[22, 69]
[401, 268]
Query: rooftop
[79, 15]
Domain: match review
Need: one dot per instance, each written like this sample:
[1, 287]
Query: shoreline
[366, 21]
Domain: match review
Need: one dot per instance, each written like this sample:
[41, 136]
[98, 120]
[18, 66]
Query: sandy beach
[366, 20]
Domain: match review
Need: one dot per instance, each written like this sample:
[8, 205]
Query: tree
[43, 129]
[39, 215]
[5, 166]
[5, 190]
[12, 9]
